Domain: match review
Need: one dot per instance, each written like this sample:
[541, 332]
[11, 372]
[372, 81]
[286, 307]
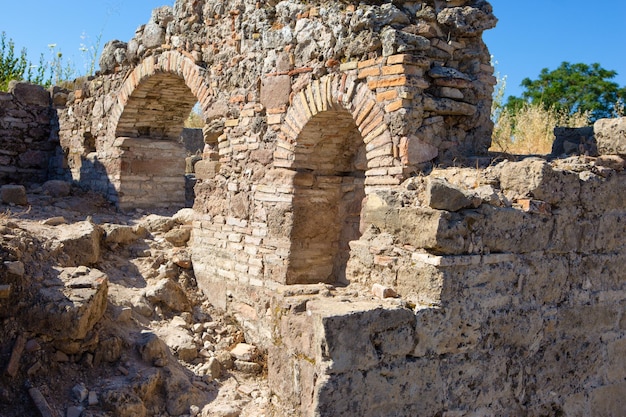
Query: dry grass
[530, 130]
[194, 121]
[8, 214]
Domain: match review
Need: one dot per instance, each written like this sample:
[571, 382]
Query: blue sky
[35, 24]
[536, 34]
[531, 34]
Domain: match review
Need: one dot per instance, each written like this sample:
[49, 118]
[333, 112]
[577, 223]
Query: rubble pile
[100, 315]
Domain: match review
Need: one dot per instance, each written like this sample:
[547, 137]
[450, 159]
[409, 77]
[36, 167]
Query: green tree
[573, 88]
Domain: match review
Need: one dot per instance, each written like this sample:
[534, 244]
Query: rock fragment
[383, 292]
[442, 195]
[245, 352]
[13, 194]
[152, 349]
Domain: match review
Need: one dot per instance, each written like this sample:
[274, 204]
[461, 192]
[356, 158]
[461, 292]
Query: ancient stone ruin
[347, 212]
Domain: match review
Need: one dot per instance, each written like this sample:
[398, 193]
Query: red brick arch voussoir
[171, 62]
[341, 92]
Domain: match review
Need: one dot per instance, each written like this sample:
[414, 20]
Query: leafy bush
[12, 67]
[17, 67]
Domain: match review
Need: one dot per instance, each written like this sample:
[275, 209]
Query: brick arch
[159, 94]
[333, 134]
[146, 123]
[335, 102]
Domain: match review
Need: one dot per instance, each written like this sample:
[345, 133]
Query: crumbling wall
[83, 114]
[255, 67]
[511, 300]
[317, 116]
[28, 135]
[303, 102]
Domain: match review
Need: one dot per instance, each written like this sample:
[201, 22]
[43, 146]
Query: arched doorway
[331, 131]
[328, 191]
[153, 105]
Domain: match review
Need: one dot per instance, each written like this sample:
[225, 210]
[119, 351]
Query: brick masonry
[317, 115]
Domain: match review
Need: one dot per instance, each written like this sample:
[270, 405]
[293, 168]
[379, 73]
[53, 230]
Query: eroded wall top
[439, 99]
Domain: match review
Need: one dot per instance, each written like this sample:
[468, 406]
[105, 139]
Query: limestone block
[30, 93]
[117, 233]
[397, 42]
[14, 194]
[378, 393]
[599, 195]
[445, 331]
[275, 91]
[447, 72]
[190, 162]
[534, 177]
[277, 38]
[446, 106]
[420, 283]
[442, 195]
[355, 334]
[503, 229]
[435, 230]
[168, 294]
[206, 170]
[607, 232]
[469, 21]
[155, 223]
[81, 243]
[178, 236]
[113, 54]
[245, 367]
[389, 14]
[152, 349]
[70, 309]
[614, 162]
[153, 35]
[180, 341]
[244, 352]
[610, 136]
[453, 93]
[185, 216]
[57, 188]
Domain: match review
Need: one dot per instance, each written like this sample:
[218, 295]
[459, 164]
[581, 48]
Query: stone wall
[28, 135]
[414, 80]
[318, 116]
[304, 102]
[511, 300]
[83, 125]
